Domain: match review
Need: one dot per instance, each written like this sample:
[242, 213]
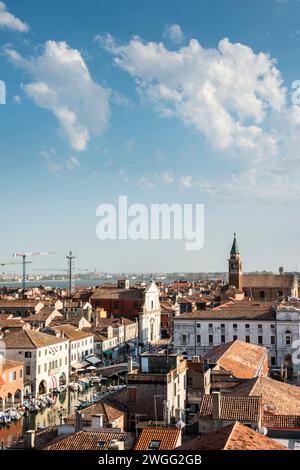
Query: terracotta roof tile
[90, 440]
[109, 412]
[234, 310]
[242, 359]
[166, 438]
[232, 408]
[278, 398]
[29, 339]
[235, 436]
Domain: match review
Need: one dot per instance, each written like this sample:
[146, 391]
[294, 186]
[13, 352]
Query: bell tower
[235, 266]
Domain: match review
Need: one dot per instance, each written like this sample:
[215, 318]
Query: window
[260, 340]
[288, 337]
[21, 373]
[262, 294]
[198, 325]
[184, 339]
[27, 354]
[259, 327]
[116, 305]
[273, 361]
[247, 326]
[154, 445]
[235, 326]
[45, 352]
[210, 339]
[222, 339]
[175, 390]
[272, 327]
[198, 339]
[234, 337]
[223, 326]
[39, 369]
[152, 304]
[272, 339]
[27, 370]
[247, 339]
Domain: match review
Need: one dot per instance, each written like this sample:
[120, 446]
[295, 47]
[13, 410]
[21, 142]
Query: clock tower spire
[235, 266]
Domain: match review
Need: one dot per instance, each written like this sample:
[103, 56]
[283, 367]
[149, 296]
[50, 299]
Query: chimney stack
[97, 421]
[78, 421]
[31, 438]
[216, 402]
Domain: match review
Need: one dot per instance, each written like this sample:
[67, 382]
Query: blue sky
[149, 100]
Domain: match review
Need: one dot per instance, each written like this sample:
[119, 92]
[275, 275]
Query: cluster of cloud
[62, 84]
[231, 95]
[57, 165]
[11, 22]
[174, 34]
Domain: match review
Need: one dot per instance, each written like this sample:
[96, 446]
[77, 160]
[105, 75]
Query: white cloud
[72, 163]
[167, 177]
[63, 85]
[55, 164]
[185, 182]
[224, 93]
[173, 33]
[17, 99]
[144, 182]
[232, 96]
[11, 22]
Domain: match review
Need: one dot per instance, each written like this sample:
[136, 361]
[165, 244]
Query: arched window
[288, 337]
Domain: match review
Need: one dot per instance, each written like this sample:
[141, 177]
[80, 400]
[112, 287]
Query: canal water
[64, 405]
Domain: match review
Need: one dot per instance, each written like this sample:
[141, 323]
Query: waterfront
[64, 405]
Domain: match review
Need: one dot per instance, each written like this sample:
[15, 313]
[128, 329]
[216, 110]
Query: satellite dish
[263, 430]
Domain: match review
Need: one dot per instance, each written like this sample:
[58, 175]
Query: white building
[261, 323]
[81, 343]
[45, 358]
[150, 317]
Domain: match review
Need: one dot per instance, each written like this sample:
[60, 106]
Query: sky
[164, 102]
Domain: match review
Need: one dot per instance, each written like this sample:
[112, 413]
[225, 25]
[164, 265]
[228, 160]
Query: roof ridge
[233, 429]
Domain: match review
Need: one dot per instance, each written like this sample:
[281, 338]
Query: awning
[80, 365]
[109, 352]
[93, 360]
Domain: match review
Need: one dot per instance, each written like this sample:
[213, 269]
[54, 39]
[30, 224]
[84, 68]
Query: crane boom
[31, 253]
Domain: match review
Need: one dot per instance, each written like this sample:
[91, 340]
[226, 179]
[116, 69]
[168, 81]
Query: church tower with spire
[235, 266]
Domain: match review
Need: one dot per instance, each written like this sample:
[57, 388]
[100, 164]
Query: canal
[65, 404]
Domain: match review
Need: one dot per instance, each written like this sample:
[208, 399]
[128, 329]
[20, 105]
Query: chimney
[130, 365]
[97, 421]
[216, 405]
[31, 438]
[78, 421]
[281, 270]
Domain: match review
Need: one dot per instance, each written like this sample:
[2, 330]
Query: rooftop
[234, 310]
[235, 436]
[91, 440]
[29, 339]
[158, 439]
[242, 359]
